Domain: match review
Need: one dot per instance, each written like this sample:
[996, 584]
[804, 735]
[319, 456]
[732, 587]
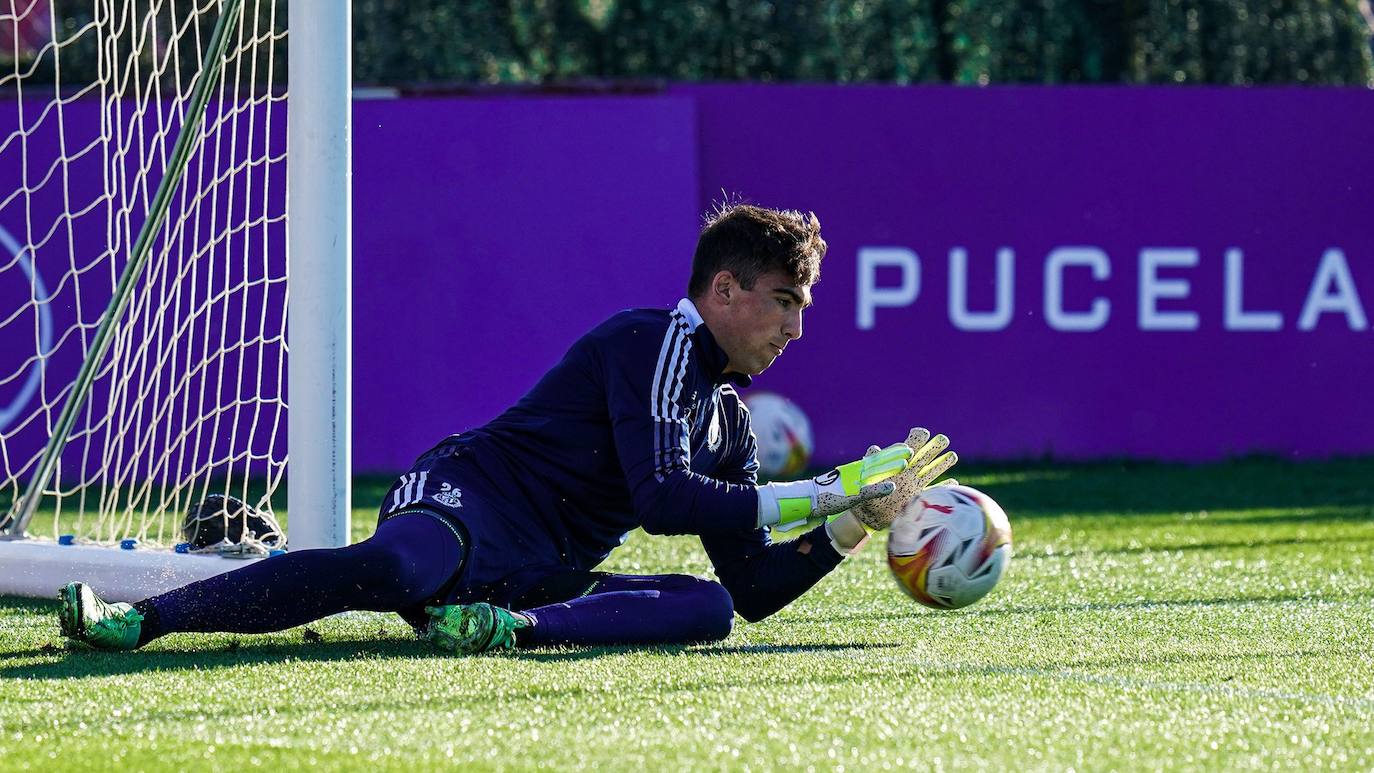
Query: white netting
[190, 398]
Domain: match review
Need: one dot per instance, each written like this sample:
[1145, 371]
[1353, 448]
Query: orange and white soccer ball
[783, 433]
[949, 546]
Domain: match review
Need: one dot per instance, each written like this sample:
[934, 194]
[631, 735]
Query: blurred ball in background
[783, 432]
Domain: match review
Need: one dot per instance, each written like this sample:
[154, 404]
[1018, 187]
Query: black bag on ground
[219, 518]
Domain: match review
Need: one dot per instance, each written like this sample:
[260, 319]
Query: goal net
[143, 269]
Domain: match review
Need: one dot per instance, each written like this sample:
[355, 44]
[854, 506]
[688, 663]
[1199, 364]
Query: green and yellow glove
[792, 504]
[926, 465]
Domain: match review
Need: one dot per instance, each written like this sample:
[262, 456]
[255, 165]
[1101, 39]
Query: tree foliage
[441, 43]
[414, 42]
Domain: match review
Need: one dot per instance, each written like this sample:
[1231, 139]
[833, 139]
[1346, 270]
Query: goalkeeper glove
[788, 505]
[926, 465]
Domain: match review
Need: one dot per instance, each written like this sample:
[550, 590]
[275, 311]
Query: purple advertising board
[1075, 272]
[489, 233]
[1080, 273]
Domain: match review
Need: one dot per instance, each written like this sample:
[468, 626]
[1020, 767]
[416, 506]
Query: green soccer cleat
[87, 618]
[469, 629]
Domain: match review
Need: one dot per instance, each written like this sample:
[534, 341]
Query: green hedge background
[425, 42]
[445, 43]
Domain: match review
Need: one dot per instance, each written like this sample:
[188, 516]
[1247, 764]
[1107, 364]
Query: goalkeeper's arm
[764, 576]
[683, 502]
[791, 504]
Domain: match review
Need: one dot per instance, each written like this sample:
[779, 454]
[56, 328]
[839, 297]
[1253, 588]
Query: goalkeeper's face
[755, 325]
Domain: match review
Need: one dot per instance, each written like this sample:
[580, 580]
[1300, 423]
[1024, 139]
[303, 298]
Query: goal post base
[36, 568]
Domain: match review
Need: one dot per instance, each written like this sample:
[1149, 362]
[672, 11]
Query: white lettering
[958, 292]
[1075, 321]
[871, 296]
[1236, 317]
[1152, 288]
[1322, 298]
[890, 277]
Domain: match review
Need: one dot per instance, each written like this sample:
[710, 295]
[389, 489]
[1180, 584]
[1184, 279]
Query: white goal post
[128, 392]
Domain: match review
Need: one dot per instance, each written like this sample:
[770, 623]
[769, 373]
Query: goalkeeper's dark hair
[750, 241]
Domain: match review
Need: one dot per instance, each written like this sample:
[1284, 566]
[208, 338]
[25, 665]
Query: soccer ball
[949, 546]
[783, 432]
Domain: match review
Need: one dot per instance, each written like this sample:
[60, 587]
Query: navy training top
[639, 426]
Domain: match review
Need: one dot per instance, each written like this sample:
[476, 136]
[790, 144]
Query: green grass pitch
[1155, 617]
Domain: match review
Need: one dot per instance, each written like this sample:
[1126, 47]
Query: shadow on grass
[1191, 658]
[75, 661]
[10, 604]
[586, 653]
[1236, 601]
[1342, 488]
[1321, 515]
[1113, 606]
[1193, 546]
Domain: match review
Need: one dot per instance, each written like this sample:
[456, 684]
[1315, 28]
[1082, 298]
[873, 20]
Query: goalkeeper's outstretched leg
[409, 559]
[598, 609]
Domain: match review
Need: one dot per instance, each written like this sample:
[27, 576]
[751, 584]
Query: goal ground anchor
[38, 567]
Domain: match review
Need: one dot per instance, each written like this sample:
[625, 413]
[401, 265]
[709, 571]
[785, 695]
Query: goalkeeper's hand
[927, 464]
[788, 505]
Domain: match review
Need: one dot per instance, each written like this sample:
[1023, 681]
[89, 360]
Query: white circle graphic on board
[24, 256]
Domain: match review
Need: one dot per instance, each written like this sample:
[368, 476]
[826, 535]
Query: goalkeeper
[492, 538]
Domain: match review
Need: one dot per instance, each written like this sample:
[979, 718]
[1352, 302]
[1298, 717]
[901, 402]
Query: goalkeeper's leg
[408, 560]
[606, 608]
